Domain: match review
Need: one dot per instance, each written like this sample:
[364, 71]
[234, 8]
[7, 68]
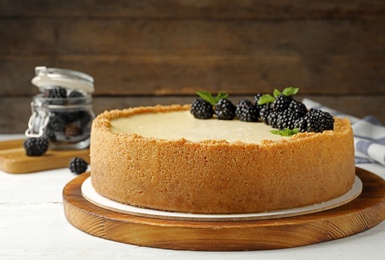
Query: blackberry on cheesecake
[201, 109]
[225, 109]
[246, 111]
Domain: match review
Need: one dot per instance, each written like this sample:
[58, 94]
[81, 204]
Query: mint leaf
[206, 96]
[276, 93]
[290, 91]
[286, 132]
[267, 98]
[221, 95]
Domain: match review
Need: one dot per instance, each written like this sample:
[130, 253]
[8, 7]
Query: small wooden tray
[361, 214]
[14, 160]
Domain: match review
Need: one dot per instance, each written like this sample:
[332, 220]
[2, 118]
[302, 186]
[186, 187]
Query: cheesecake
[163, 158]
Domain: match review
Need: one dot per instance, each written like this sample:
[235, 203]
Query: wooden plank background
[161, 52]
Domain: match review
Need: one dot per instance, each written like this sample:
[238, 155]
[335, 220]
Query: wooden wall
[148, 52]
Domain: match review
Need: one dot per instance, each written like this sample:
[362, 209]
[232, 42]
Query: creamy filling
[181, 124]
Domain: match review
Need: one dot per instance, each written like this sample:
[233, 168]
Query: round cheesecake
[163, 158]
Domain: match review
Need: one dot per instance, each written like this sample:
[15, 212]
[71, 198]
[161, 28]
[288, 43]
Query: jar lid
[70, 79]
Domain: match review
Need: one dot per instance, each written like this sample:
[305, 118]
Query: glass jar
[62, 112]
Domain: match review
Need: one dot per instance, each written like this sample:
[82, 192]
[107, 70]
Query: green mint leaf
[290, 91]
[221, 95]
[206, 96]
[276, 93]
[267, 98]
[286, 132]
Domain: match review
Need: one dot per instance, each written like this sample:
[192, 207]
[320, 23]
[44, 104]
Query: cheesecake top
[175, 125]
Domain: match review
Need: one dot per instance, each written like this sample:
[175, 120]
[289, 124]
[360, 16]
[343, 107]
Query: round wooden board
[363, 213]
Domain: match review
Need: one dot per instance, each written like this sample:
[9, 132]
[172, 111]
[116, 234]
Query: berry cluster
[315, 121]
[280, 110]
[59, 92]
[207, 106]
[284, 112]
[66, 124]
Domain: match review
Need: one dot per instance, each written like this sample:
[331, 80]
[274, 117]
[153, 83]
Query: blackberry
[315, 121]
[246, 111]
[256, 98]
[84, 118]
[78, 165]
[75, 94]
[76, 97]
[35, 146]
[298, 108]
[55, 93]
[281, 103]
[50, 134]
[57, 122]
[286, 119]
[301, 124]
[264, 110]
[272, 119]
[225, 109]
[71, 116]
[201, 109]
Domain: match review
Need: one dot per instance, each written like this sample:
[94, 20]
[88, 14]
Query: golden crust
[217, 176]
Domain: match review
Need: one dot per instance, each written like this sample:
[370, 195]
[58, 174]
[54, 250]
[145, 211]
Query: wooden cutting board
[364, 212]
[14, 160]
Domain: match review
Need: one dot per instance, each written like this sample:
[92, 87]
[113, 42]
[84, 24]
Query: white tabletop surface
[33, 226]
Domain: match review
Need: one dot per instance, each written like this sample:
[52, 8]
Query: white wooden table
[33, 226]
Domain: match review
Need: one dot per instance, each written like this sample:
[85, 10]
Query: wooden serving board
[361, 214]
[14, 160]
